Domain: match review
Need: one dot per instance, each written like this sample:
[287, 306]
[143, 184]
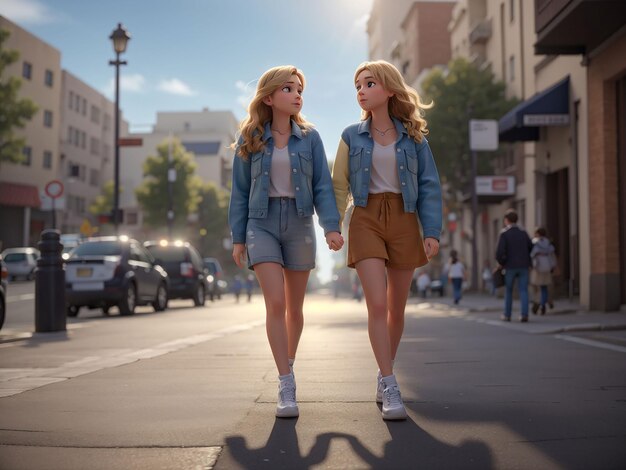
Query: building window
[47, 159]
[83, 140]
[49, 78]
[107, 121]
[84, 107]
[511, 68]
[47, 118]
[71, 100]
[131, 218]
[106, 152]
[27, 70]
[73, 171]
[93, 177]
[76, 140]
[70, 134]
[94, 145]
[511, 10]
[77, 102]
[95, 114]
[27, 153]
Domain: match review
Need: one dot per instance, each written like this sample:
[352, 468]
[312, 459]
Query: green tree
[103, 204]
[14, 112]
[152, 194]
[213, 220]
[461, 92]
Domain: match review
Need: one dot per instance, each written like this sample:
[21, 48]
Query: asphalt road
[196, 388]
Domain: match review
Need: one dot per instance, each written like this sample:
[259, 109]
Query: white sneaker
[379, 388]
[287, 407]
[393, 408]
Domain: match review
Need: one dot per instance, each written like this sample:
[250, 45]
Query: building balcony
[481, 33]
[576, 26]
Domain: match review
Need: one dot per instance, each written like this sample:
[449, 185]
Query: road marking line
[590, 342]
[29, 379]
[17, 298]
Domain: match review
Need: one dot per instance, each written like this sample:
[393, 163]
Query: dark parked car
[217, 285]
[4, 275]
[186, 273]
[107, 271]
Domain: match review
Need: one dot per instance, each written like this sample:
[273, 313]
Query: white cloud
[360, 24]
[27, 11]
[176, 87]
[247, 92]
[134, 83]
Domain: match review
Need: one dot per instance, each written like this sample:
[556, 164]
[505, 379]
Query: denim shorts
[282, 237]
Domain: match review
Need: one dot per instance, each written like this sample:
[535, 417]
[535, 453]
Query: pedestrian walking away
[385, 164]
[513, 254]
[457, 274]
[280, 175]
[249, 286]
[543, 264]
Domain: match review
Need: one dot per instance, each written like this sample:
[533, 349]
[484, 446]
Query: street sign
[483, 134]
[54, 189]
[495, 185]
[130, 141]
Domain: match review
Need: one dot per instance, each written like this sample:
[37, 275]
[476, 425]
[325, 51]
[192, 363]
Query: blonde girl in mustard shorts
[384, 164]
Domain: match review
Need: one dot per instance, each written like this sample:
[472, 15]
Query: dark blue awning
[547, 108]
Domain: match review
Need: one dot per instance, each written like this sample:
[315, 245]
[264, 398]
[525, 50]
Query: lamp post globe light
[120, 38]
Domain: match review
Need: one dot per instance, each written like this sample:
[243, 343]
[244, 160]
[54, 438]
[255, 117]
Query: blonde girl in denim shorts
[280, 176]
[384, 164]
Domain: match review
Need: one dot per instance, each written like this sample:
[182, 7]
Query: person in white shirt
[456, 274]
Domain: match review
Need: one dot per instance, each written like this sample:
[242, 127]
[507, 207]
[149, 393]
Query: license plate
[88, 286]
[84, 272]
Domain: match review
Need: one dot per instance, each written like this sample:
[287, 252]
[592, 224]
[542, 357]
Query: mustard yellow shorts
[383, 230]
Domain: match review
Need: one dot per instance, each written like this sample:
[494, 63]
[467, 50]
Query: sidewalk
[566, 316]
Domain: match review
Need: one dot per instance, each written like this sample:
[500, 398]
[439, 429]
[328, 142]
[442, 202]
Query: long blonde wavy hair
[405, 104]
[252, 127]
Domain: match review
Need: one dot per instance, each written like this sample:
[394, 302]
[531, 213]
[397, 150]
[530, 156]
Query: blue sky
[188, 54]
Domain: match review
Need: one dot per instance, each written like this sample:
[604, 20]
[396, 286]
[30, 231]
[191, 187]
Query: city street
[196, 388]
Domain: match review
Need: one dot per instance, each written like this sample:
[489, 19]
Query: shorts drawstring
[385, 209]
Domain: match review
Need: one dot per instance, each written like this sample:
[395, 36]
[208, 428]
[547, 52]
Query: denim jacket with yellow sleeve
[417, 172]
[310, 178]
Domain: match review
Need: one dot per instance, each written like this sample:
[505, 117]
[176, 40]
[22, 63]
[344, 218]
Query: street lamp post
[120, 39]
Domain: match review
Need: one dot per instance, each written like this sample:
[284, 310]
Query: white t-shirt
[456, 270]
[280, 174]
[384, 177]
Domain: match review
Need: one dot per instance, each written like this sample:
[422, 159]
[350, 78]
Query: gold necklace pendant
[383, 132]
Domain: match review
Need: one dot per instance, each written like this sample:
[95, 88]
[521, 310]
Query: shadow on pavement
[409, 447]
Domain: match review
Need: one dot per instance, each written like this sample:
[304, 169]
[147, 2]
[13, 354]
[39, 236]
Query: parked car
[103, 272]
[187, 276]
[70, 241]
[4, 275]
[217, 284]
[21, 262]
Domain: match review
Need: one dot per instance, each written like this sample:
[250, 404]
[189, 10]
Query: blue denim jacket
[310, 178]
[419, 180]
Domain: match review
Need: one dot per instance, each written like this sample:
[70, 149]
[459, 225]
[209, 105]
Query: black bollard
[50, 314]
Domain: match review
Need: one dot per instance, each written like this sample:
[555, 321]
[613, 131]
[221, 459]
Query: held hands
[431, 246]
[239, 254]
[334, 240]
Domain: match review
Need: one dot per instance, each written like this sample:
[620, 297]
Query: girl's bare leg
[371, 272]
[295, 289]
[270, 276]
[398, 286]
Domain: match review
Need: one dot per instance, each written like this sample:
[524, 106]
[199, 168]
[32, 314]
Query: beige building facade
[23, 184]
[207, 134]
[87, 149]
